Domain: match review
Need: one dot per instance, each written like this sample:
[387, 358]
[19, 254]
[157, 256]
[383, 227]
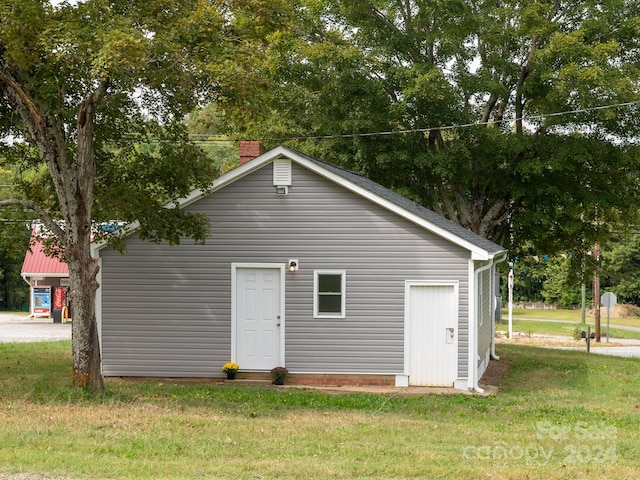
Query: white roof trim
[44, 274]
[220, 182]
[477, 253]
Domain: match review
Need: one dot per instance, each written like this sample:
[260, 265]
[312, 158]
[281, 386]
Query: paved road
[20, 328]
[627, 351]
[631, 351]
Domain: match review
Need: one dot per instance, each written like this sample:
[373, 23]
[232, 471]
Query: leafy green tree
[555, 280]
[621, 268]
[516, 172]
[562, 287]
[204, 126]
[529, 276]
[14, 241]
[97, 91]
[14, 292]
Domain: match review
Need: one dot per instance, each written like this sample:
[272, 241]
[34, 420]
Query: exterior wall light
[293, 265]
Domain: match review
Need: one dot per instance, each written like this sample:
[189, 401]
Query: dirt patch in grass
[537, 340]
[494, 373]
[618, 311]
[28, 476]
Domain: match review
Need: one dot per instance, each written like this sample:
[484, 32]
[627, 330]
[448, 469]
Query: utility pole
[510, 285]
[583, 290]
[583, 308]
[596, 291]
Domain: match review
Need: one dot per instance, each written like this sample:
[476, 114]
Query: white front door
[432, 337]
[258, 318]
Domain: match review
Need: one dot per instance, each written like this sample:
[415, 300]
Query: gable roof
[36, 263]
[480, 248]
[437, 221]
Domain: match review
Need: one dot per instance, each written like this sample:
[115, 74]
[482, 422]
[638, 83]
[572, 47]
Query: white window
[329, 292]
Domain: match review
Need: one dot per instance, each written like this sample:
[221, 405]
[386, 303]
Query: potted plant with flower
[230, 369]
[278, 374]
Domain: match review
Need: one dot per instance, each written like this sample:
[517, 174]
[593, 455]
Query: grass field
[570, 315]
[564, 328]
[558, 415]
[533, 321]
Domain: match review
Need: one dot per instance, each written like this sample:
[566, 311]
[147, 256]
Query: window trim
[343, 286]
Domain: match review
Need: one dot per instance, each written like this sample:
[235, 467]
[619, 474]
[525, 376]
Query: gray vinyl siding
[485, 329]
[166, 310]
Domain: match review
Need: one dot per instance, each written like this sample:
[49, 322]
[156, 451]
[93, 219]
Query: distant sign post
[510, 285]
[608, 299]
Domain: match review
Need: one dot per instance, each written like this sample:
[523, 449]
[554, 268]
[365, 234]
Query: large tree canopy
[14, 239]
[96, 92]
[621, 268]
[520, 169]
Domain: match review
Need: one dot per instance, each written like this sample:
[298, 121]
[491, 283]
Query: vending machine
[59, 302]
[42, 301]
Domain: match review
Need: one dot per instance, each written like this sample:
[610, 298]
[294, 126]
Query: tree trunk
[85, 344]
[73, 179]
[83, 268]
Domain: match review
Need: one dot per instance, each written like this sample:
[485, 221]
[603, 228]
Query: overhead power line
[444, 127]
[462, 125]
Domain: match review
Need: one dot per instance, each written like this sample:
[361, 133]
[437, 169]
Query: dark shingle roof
[406, 204]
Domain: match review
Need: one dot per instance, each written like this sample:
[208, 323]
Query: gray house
[307, 266]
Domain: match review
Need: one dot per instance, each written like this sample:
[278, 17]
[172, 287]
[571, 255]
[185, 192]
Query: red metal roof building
[37, 264]
[42, 273]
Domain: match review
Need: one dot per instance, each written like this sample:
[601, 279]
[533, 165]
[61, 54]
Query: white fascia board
[480, 254]
[477, 253]
[233, 175]
[44, 274]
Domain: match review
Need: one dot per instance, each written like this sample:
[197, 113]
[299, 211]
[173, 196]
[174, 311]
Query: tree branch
[42, 127]
[44, 216]
[448, 205]
[488, 108]
[435, 201]
[85, 127]
[19, 93]
[463, 207]
[493, 217]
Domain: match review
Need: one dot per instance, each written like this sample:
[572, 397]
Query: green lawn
[569, 316]
[565, 328]
[559, 414]
[546, 314]
[533, 321]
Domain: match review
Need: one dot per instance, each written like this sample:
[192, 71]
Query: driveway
[631, 349]
[20, 328]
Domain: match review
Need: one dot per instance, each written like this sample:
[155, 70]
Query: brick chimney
[250, 149]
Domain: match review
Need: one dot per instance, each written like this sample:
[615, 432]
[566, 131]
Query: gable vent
[282, 172]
